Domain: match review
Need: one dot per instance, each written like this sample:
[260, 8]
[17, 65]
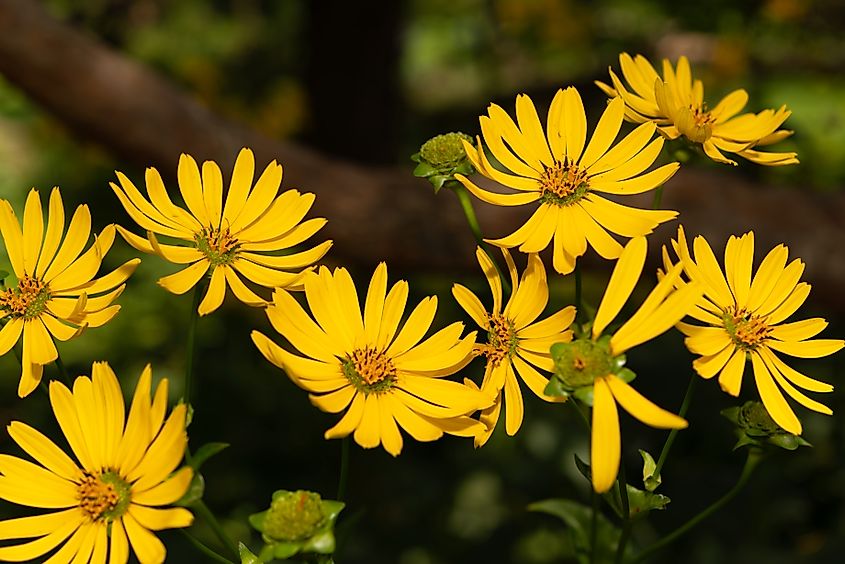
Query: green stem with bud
[203, 511]
[658, 196]
[755, 456]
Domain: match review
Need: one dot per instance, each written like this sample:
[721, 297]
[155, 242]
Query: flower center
[370, 370]
[563, 183]
[501, 339]
[578, 363]
[104, 496]
[294, 516]
[28, 300]
[696, 123]
[217, 244]
[746, 330]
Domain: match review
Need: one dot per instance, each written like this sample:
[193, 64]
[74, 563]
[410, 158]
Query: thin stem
[203, 511]
[667, 446]
[754, 457]
[191, 344]
[581, 414]
[594, 526]
[626, 516]
[658, 196]
[204, 549]
[579, 305]
[344, 468]
[472, 220]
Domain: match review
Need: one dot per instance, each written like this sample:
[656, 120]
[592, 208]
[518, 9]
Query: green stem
[63, 371]
[344, 468]
[626, 516]
[191, 344]
[658, 196]
[203, 511]
[754, 457]
[579, 305]
[581, 414]
[667, 446]
[594, 526]
[204, 549]
[469, 212]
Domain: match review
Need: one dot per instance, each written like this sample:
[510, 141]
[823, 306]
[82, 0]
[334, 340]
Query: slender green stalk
[344, 468]
[594, 526]
[581, 415]
[203, 511]
[579, 305]
[658, 196]
[191, 344]
[204, 549]
[754, 457]
[667, 446]
[63, 371]
[626, 516]
[472, 220]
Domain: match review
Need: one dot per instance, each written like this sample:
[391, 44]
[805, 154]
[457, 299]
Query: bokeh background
[363, 85]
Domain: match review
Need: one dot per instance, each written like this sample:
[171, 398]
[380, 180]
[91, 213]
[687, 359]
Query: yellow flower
[111, 495]
[517, 342]
[235, 238]
[556, 170]
[385, 376]
[676, 104]
[744, 320]
[56, 295]
[598, 361]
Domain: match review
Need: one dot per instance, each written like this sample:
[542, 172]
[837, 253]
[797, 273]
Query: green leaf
[650, 480]
[205, 452]
[578, 520]
[247, 557]
[194, 493]
[640, 502]
[583, 468]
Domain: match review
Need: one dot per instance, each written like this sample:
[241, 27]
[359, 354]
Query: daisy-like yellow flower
[595, 364]
[676, 104]
[240, 237]
[743, 319]
[384, 377]
[517, 342]
[555, 170]
[111, 495]
[56, 294]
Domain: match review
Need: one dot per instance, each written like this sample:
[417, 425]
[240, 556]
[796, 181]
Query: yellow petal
[33, 230]
[605, 441]
[773, 400]
[641, 408]
[777, 365]
[212, 191]
[730, 379]
[240, 185]
[145, 545]
[513, 403]
[159, 519]
[215, 293]
[166, 492]
[350, 420]
[190, 185]
[185, 279]
[709, 366]
[391, 438]
[39, 547]
[625, 275]
[815, 348]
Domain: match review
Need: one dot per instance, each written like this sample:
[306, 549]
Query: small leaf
[247, 557]
[640, 502]
[650, 480]
[583, 468]
[205, 452]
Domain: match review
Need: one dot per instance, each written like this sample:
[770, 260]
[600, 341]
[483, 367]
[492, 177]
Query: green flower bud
[441, 157]
[578, 364]
[294, 516]
[754, 426]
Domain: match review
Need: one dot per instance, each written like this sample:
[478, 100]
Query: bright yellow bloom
[555, 170]
[56, 295]
[743, 317]
[676, 104]
[231, 239]
[382, 374]
[598, 360]
[110, 497]
[517, 342]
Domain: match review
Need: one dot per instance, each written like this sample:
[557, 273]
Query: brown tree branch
[374, 213]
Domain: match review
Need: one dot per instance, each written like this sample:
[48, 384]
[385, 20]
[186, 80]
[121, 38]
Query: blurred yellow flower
[555, 170]
[517, 342]
[744, 320]
[112, 497]
[383, 375]
[676, 104]
[597, 362]
[57, 294]
[238, 237]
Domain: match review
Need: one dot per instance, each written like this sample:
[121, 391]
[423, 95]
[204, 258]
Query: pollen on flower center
[217, 244]
[501, 338]
[696, 123]
[370, 370]
[563, 183]
[578, 363]
[103, 496]
[28, 300]
[746, 329]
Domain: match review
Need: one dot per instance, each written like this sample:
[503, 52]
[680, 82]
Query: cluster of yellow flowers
[381, 373]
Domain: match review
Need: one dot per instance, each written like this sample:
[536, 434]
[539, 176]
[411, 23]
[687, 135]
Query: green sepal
[755, 428]
[651, 481]
[555, 389]
[283, 550]
[584, 394]
[194, 493]
[626, 375]
[247, 557]
[578, 518]
[205, 452]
